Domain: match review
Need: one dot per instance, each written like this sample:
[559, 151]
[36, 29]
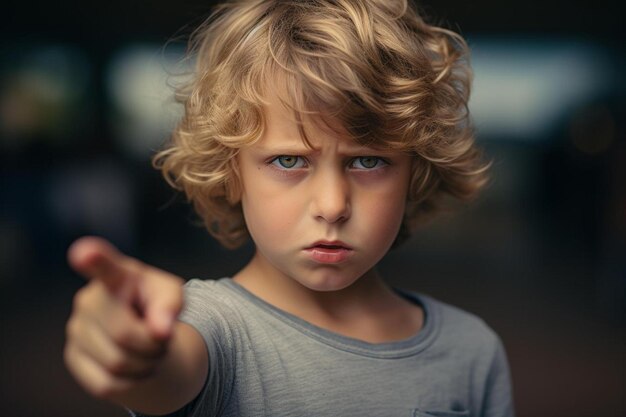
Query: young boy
[322, 129]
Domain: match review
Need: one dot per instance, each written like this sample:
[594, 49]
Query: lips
[330, 244]
[329, 252]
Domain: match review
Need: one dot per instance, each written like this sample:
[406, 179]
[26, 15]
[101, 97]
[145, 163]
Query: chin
[327, 282]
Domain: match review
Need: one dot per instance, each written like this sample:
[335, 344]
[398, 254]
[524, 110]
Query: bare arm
[123, 341]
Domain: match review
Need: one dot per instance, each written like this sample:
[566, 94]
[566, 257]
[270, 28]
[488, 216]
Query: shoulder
[209, 294]
[474, 349]
[211, 307]
[210, 286]
[460, 329]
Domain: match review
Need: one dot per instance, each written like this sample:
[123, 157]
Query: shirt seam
[415, 346]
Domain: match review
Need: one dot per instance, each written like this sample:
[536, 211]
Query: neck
[366, 296]
[367, 309]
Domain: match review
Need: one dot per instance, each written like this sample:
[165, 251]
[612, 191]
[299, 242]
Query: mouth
[329, 252]
[329, 245]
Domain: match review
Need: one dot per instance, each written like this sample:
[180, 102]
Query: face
[321, 216]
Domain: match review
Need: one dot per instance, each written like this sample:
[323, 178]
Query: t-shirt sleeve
[498, 399]
[212, 316]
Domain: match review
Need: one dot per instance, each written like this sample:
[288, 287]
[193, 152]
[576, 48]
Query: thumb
[162, 301]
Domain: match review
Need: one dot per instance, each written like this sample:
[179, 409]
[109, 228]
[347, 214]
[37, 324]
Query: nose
[331, 201]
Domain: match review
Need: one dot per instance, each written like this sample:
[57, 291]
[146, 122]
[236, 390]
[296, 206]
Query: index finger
[96, 258]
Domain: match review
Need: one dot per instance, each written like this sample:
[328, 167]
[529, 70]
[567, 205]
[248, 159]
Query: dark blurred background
[541, 256]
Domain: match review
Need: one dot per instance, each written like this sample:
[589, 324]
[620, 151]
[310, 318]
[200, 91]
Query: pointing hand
[122, 319]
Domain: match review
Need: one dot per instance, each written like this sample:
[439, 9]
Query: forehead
[283, 131]
[285, 127]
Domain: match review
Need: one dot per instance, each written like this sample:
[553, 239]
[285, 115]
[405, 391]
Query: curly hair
[374, 67]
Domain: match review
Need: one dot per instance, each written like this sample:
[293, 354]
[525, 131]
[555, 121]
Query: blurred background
[85, 99]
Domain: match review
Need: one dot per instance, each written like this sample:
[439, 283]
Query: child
[322, 129]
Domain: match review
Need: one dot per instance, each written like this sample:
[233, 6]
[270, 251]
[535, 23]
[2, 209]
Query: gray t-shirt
[267, 362]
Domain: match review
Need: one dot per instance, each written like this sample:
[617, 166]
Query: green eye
[288, 161]
[367, 162]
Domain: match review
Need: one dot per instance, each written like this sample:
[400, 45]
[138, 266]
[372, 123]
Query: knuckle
[129, 369]
[80, 300]
[135, 265]
[118, 365]
[144, 372]
[178, 281]
[68, 356]
[179, 285]
[175, 288]
[104, 389]
[77, 329]
[122, 337]
[154, 352]
[86, 297]
[71, 328]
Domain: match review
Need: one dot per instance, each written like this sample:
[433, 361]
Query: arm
[123, 341]
[177, 380]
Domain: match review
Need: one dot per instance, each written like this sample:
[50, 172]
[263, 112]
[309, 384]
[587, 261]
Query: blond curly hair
[374, 67]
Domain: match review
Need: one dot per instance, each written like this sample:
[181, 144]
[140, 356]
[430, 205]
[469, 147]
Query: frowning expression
[322, 215]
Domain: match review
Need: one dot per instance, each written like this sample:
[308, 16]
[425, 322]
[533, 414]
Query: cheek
[269, 216]
[391, 212]
[388, 206]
